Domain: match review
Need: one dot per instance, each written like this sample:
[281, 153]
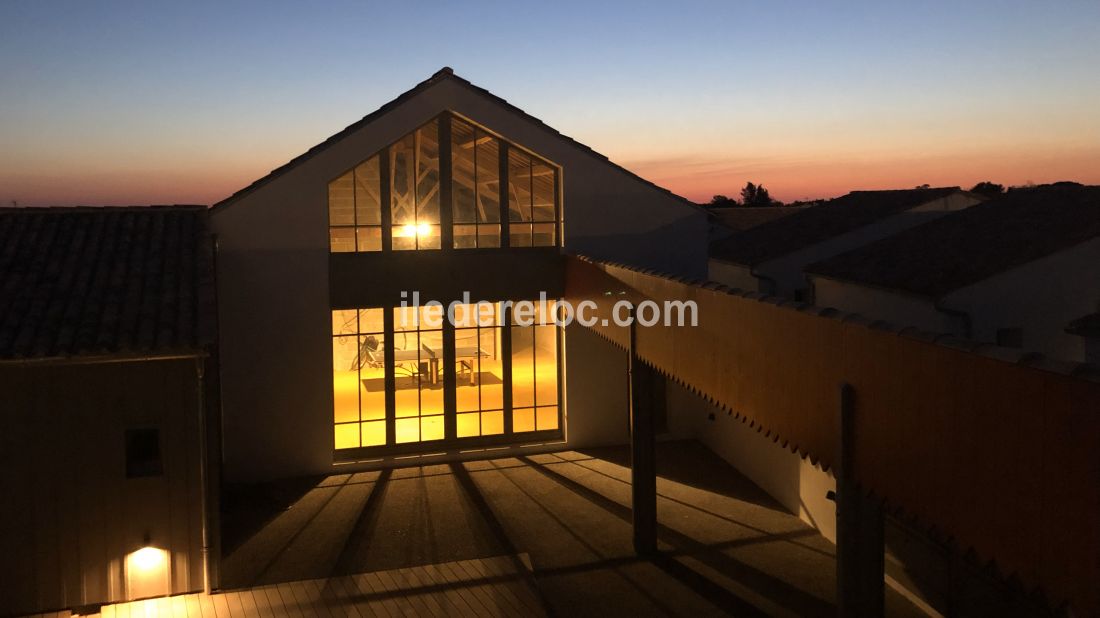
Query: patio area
[727, 548]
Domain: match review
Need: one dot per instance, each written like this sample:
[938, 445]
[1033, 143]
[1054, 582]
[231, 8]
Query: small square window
[143, 453]
[1010, 337]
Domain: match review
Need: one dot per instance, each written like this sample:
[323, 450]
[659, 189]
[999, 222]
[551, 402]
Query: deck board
[497, 586]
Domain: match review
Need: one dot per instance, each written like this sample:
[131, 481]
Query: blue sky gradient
[148, 102]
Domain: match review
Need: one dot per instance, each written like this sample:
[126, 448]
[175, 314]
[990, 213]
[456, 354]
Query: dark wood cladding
[377, 279]
[997, 454]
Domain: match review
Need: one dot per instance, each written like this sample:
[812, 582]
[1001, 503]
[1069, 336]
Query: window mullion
[385, 199]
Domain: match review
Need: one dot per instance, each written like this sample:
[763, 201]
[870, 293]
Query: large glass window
[394, 198]
[418, 374]
[358, 378]
[479, 370]
[475, 157]
[414, 189]
[355, 209]
[532, 201]
[504, 374]
[534, 375]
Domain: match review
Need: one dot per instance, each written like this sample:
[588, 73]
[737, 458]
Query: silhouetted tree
[924, 186]
[987, 188]
[722, 201]
[756, 195]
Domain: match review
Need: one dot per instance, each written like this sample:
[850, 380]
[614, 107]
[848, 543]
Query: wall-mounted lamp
[147, 571]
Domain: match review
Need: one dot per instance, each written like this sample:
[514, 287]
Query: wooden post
[860, 548]
[643, 456]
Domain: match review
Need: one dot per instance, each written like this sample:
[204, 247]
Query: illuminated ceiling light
[410, 230]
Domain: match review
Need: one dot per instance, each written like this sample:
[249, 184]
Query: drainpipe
[967, 323]
[204, 480]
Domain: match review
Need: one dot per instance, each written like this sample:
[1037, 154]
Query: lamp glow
[410, 230]
[147, 558]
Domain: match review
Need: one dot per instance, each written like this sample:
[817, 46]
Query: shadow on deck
[726, 547]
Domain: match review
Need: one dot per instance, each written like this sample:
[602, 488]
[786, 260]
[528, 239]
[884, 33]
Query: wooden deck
[498, 586]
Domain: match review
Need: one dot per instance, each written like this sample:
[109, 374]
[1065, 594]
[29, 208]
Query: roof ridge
[444, 73]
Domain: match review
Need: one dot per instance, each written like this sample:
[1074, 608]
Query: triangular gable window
[448, 184]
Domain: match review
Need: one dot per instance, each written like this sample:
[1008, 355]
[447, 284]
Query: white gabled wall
[880, 304]
[733, 275]
[273, 291]
[1041, 297]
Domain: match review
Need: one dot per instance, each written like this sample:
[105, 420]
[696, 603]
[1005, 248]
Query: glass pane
[341, 239]
[341, 201]
[546, 365]
[345, 378]
[488, 179]
[406, 318]
[523, 367]
[347, 436]
[372, 377]
[462, 172]
[519, 185]
[543, 235]
[403, 184]
[407, 430]
[368, 193]
[428, 236]
[427, 174]
[368, 238]
[542, 189]
[492, 423]
[406, 367]
[546, 418]
[370, 320]
[343, 322]
[519, 235]
[467, 393]
[488, 235]
[465, 236]
[403, 240]
[431, 374]
[374, 433]
[431, 428]
[523, 420]
[490, 376]
[468, 425]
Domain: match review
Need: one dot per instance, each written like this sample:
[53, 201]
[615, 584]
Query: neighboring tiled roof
[973, 244]
[438, 76]
[111, 281]
[1086, 326]
[819, 223]
[741, 218]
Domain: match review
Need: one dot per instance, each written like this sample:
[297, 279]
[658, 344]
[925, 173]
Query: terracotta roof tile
[974, 244]
[105, 281]
[819, 223]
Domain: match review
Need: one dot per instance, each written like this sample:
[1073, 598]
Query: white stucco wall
[733, 275]
[879, 304]
[795, 483]
[1041, 297]
[273, 273]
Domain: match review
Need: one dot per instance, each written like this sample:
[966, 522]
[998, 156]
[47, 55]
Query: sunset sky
[147, 102]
